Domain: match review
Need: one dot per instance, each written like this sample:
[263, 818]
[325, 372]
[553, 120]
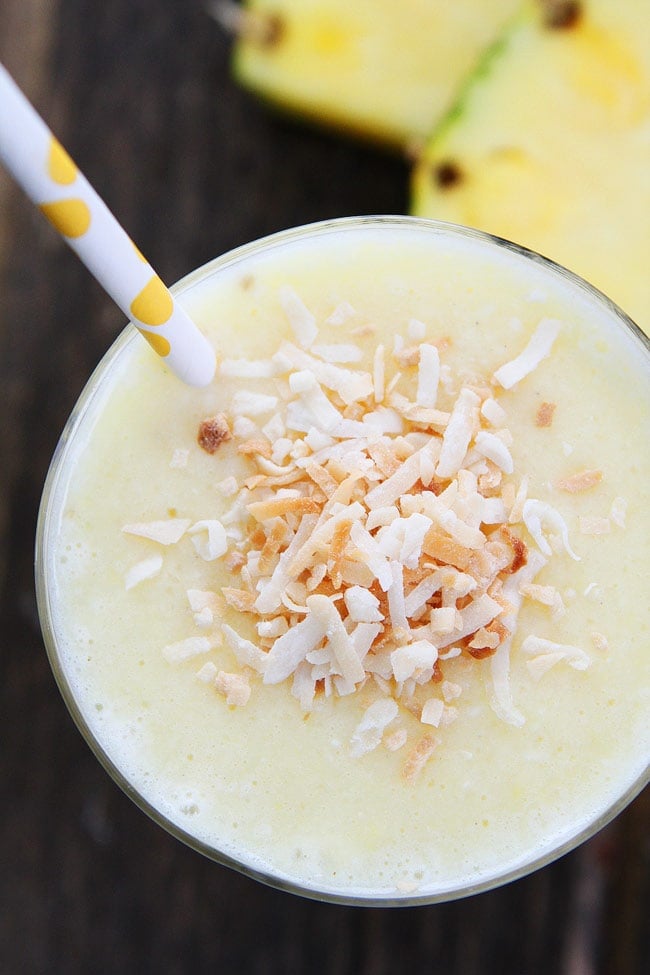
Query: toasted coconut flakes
[500, 692]
[396, 605]
[378, 374]
[248, 368]
[484, 639]
[450, 654]
[537, 349]
[209, 539]
[228, 488]
[200, 599]
[141, 571]
[517, 509]
[234, 688]
[537, 647]
[432, 711]
[423, 591]
[193, 646]
[544, 415]
[475, 615]
[541, 594]
[249, 404]
[443, 620]
[368, 733]
[246, 653]
[338, 353]
[405, 661]
[362, 606]
[444, 549]
[179, 458]
[363, 636]
[618, 511]
[581, 481]
[380, 517]
[272, 546]
[408, 357]
[416, 330]
[341, 314]
[339, 640]
[458, 433]
[279, 507]
[239, 599]
[207, 673]
[272, 628]
[299, 317]
[320, 476]
[348, 383]
[419, 757]
[166, 532]
[428, 376]
[261, 447]
[396, 485]
[213, 431]
[492, 447]
[493, 412]
[396, 740]
[534, 513]
[595, 526]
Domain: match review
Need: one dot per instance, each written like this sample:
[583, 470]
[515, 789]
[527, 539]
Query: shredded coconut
[374, 538]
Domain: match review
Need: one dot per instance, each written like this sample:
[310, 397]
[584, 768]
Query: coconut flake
[546, 654]
[405, 661]
[209, 539]
[141, 571]
[234, 687]
[432, 711]
[299, 317]
[493, 412]
[368, 733]
[428, 376]
[458, 433]
[618, 511]
[537, 349]
[165, 532]
[341, 314]
[362, 606]
[245, 403]
[182, 650]
[493, 447]
[534, 514]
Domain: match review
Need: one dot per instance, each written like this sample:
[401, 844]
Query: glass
[47, 531]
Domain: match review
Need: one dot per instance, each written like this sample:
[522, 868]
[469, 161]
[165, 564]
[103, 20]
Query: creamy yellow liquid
[265, 785]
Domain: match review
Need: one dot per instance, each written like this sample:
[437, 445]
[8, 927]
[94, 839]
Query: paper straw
[52, 181]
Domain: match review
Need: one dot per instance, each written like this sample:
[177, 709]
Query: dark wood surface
[140, 94]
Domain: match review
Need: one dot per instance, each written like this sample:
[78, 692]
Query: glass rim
[492, 879]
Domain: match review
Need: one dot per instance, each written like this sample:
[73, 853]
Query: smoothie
[366, 617]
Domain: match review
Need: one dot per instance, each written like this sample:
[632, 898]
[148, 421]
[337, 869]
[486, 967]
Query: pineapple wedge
[549, 146]
[386, 70]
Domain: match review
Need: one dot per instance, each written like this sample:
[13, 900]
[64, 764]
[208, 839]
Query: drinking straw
[51, 180]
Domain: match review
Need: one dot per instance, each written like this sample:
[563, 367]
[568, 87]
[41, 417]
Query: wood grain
[140, 94]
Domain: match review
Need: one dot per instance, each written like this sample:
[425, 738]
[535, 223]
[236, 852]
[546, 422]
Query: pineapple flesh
[382, 69]
[549, 145]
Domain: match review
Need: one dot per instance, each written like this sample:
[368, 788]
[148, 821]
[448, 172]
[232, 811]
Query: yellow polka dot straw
[50, 178]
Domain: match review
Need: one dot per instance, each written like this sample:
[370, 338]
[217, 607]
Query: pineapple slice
[387, 70]
[549, 145]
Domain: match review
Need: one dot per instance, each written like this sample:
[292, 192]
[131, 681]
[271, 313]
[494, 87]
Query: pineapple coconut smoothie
[366, 617]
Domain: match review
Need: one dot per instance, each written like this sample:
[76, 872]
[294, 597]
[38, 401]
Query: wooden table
[140, 94]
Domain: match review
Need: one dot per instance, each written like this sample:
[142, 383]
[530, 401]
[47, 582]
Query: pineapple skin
[549, 146]
[379, 69]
